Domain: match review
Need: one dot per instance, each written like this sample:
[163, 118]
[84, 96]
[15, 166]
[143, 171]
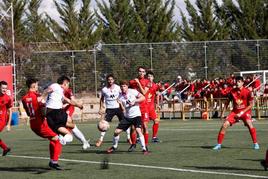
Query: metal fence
[191, 60]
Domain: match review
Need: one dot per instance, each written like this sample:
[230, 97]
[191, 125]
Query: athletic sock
[155, 129]
[142, 141]
[146, 138]
[128, 133]
[3, 145]
[79, 135]
[102, 135]
[115, 141]
[220, 137]
[253, 135]
[52, 149]
[57, 150]
[134, 137]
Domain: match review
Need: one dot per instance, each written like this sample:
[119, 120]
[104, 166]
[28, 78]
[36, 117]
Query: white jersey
[110, 96]
[56, 97]
[130, 96]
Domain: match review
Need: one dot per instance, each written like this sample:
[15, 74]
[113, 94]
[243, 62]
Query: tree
[246, 19]
[78, 25]
[154, 21]
[118, 21]
[202, 23]
[36, 25]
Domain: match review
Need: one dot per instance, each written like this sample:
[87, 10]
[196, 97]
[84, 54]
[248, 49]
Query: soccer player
[242, 105]
[5, 113]
[109, 96]
[129, 99]
[141, 84]
[150, 97]
[55, 114]
[68, 93]
[33, 106]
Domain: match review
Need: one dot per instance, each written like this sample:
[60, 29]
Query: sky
[49, 7]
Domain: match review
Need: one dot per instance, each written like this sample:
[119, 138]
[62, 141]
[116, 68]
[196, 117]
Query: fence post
[258, 54]
[206, 67]
[151, 56]
[73, 75]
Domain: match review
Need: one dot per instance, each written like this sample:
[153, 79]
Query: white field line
[145, 166]
[205, 129]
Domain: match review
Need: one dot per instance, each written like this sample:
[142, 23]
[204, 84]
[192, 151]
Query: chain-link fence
[191, 60]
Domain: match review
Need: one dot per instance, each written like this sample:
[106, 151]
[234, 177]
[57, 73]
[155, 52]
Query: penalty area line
[144, 166]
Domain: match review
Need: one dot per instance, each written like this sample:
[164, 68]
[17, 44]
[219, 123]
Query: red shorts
[144, 114]
[232, 120]
[152, 113]
[70, 110]
[42, 129]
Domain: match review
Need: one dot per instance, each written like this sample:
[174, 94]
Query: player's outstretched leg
[80, 136]
[6, 149]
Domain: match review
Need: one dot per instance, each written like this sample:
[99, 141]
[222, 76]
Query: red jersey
[241, 99]
[144, 83]
[32, 107]
[150, 95]
[5, 104]
[68, 94]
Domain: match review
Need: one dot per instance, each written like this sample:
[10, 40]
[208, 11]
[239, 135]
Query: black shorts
[56, 118]
[110, 113]
[127, 122]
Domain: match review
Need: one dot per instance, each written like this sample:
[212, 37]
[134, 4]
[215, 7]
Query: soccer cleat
[86, 145]
[98, 143]
[129, 141]
[256, 146]
[145, 152]
[132, 148]
[111, 150]
[6, 151]
[61, 139]
[217, 147]
[155, 140]
[264, 164]
[54, 166]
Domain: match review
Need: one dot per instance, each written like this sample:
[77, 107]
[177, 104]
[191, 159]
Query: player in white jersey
[109, 96]
[55, 114]
[129, 100]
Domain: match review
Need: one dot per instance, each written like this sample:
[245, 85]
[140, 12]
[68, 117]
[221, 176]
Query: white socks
[115, 141]
[141, 137]
[128, 133]
[102, 136]
[79, 135]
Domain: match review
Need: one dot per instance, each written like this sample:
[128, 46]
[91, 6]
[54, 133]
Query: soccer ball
[103, 126]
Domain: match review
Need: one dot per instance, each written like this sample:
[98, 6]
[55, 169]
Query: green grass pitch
[185, 152]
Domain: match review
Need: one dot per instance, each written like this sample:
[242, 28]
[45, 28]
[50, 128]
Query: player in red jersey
[5, 113]
[33, 106]
[150, 97]
[142, 85]
[242, 105]
[69, 108]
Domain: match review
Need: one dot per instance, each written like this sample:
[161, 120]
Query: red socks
[220, 137]
[155, 129]
[146, 138]
[3, 145]
[133, 137]
[253, 135]
[55, 148]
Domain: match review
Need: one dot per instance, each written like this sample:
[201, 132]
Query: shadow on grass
[34, 170]
[224, 168]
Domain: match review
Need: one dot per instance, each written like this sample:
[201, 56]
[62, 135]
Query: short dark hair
[3, 83]
[30, 81]
[124, 82]
[150, 73]
[109, 76]
[237, 78]
[62, 79]
[141, 67]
